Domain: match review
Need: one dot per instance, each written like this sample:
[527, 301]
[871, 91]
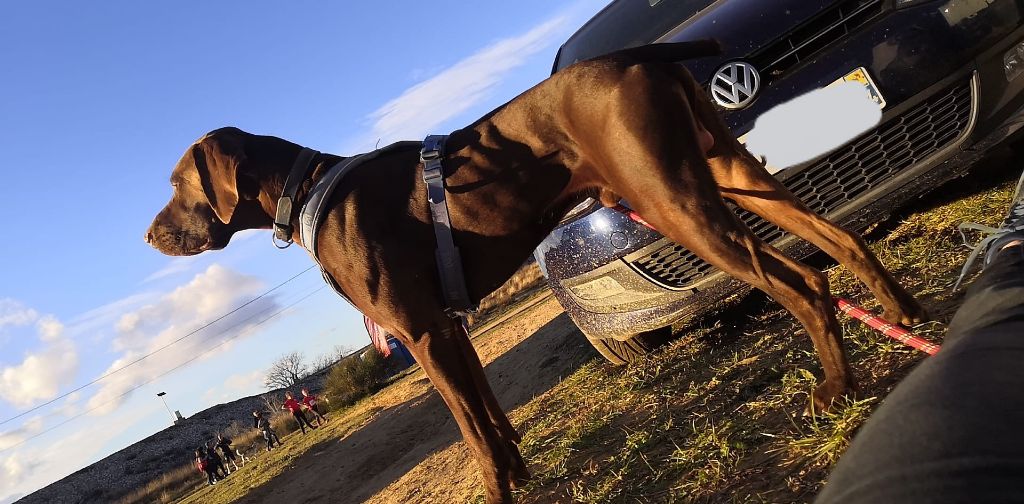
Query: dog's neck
[276, 159]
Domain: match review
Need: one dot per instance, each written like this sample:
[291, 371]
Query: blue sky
[99, 102]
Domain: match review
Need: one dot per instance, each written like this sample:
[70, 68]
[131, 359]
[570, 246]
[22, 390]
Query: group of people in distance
[213, 465]
[309, 402]
[298, 409]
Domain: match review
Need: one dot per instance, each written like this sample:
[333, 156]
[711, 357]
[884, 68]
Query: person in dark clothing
[224, 444]
[950, 431]
[263, 425]
[295, 407]
[214, 460]
[204, 467]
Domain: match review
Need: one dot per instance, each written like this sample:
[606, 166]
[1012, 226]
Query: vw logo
[735, 85]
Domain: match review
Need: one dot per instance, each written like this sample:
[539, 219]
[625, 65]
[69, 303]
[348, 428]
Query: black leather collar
[286, 203]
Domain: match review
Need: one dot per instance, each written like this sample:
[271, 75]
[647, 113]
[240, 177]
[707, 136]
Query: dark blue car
[947, 74]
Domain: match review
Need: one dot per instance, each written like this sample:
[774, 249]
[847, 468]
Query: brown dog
[629, 125]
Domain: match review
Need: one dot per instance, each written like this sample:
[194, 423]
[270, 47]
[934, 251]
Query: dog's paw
[830, 394]
[907, 312]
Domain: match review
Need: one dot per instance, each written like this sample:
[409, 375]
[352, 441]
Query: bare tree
[272, 402]
[328, 359]
[286, 371]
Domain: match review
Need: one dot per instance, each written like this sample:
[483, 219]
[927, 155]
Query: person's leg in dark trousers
[301, 418]
[269, 436]
[210, 477]
[319, 417]
[951, 431]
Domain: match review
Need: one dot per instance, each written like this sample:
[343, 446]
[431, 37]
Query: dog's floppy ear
[218, 157]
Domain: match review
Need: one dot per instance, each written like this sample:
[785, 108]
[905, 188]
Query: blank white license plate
[816, 122]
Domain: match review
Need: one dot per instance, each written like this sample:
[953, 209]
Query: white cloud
[245, 382]
[454, 90]
[12, 468]
[14, 313]
[210, 294]
[50, 329]
[28, 468]
[41, 373]
[173, 267]
[96, 323]
[69, 407]
[18, 435]
[234, 387]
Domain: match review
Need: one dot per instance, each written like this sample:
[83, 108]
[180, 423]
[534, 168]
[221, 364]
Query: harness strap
[315, 208]
[449, 262]
[283, 219]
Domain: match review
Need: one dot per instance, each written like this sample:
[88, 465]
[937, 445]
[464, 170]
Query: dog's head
[210, 188]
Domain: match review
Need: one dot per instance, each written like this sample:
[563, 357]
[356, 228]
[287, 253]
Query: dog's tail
[668, 52]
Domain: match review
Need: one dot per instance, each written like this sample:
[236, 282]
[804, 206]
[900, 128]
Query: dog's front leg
[494, 409]
[441, 353]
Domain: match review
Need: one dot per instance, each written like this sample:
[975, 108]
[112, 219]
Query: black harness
[314, 209]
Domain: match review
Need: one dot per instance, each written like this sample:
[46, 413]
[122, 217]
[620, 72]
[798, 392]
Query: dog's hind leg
[704, 224]
[654, 159]
[755, 190]
[742, 179]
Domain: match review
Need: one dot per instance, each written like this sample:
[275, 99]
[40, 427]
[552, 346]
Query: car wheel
[633, 349]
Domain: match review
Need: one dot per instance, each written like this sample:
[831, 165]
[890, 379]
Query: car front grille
[863, 164]
[829, 26]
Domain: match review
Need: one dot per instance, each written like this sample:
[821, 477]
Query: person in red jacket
[311, 401]
[295, 408]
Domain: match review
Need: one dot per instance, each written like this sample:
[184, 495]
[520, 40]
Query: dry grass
[716, 416]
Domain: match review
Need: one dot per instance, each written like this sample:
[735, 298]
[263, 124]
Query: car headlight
[586, 206]
[1013, 61]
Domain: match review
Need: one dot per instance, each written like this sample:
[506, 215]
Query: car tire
[632, 349]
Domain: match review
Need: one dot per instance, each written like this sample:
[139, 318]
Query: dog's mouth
[183, 243]
[190, 244]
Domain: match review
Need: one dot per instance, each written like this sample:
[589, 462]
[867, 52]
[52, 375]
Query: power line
[165, 373]
[150, 354]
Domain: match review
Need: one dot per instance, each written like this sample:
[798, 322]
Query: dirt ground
[412, 436]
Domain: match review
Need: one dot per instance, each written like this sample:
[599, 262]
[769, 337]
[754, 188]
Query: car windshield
[624, 24]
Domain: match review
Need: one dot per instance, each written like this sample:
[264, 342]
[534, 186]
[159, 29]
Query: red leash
[885, 327]
[851, 310]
